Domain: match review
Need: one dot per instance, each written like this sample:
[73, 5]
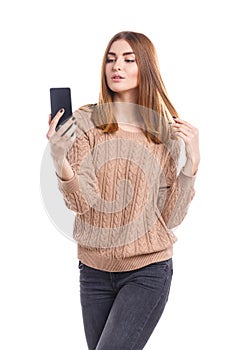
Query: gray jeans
[121, 309]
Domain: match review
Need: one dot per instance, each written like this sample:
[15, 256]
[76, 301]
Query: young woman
[117, 164]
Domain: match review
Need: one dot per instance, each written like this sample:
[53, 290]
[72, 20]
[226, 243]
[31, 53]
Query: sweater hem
[112, 264]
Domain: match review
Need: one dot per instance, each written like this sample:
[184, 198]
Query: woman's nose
[116, 66]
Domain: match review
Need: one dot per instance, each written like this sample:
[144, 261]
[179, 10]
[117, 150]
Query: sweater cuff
[187, 180]
[69, 186]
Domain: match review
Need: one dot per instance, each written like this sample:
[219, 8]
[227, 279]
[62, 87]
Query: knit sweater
[127, 194]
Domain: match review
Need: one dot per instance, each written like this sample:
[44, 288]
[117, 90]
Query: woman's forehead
[120, 46]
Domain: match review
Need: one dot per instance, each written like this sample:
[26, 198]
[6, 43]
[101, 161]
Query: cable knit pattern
[127, 196]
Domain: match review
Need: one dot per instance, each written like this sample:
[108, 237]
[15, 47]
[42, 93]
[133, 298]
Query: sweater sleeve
[176, 192]
[82, 191]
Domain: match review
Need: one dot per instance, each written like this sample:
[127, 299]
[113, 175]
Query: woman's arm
[71, 153]
[190, 135]
[177, 192]
[174, 199]
[60, 142]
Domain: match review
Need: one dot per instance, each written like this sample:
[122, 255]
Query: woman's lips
[117, 78]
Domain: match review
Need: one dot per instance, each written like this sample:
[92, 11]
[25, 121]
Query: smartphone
[61, 98]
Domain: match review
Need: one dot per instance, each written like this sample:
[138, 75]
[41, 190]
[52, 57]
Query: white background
[61, 43]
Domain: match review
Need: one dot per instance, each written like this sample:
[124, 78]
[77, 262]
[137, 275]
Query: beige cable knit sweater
[127, 194]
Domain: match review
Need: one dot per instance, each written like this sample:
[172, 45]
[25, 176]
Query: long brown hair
[155, 107]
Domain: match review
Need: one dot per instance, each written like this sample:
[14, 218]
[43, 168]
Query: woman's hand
[190, 135]
[60, 142]
[62, 139]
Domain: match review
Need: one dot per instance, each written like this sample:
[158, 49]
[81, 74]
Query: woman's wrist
[63, 169]
[190, 169]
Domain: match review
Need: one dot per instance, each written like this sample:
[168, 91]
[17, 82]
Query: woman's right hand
[62, 139]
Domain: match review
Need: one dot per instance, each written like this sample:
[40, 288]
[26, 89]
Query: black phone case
[61, 98]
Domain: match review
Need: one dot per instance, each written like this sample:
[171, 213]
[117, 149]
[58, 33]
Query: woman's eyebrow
[124, 54]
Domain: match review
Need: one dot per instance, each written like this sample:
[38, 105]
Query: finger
[53, 123]
[73, 137]
[49, 118]
[63, 127]
[182, 122]
[66, 137]
[51, 131]
[181, 135]
[55, 120]
[69, 131]
[181, 128]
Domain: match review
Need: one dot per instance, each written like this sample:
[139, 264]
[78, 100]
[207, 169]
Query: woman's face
[121, 70]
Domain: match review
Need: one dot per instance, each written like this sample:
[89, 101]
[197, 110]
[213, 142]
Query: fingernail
[61, 110]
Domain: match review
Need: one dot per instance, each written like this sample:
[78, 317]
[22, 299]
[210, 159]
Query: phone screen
[61, 98]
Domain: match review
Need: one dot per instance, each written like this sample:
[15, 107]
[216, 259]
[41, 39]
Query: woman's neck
[130, 96]
[128, 115]
[126, 110]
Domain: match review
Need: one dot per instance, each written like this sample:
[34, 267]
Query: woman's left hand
[190, 135]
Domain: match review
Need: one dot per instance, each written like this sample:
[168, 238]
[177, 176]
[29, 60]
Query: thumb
[55, 120]
[53, 123]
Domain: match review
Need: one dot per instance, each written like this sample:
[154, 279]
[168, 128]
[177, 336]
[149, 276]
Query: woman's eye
[110, 60]
[127, 60]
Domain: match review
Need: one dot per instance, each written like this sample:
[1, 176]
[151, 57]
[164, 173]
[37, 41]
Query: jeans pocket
[164, 265]
[81, 266]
